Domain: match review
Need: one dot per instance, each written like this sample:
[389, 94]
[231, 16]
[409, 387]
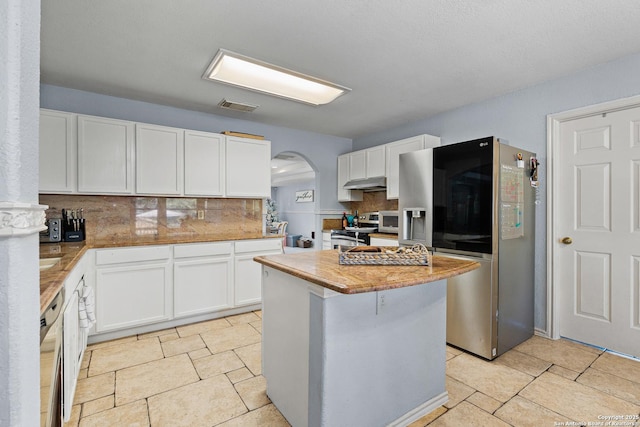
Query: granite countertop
[322, 268]
[52, 279]
[390, 236]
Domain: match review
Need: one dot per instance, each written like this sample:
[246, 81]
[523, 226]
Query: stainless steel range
[356, 236]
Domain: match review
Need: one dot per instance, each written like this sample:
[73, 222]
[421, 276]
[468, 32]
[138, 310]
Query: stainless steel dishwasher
[50, 361]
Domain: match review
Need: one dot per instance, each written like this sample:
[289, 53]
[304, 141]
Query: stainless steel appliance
[53, 233]
[377, 183]
[50, 361]
[369, 219]
[388, 222]
[349, 238]
[473, 200]
[356, 236]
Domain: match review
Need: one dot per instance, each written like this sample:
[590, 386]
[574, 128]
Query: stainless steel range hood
[378, 183]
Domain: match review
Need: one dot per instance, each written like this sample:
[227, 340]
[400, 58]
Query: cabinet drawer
[202, 249]
[244, 246]
[126, 255]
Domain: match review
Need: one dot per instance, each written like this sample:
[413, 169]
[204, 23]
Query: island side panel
[285, 343]
[377, 357]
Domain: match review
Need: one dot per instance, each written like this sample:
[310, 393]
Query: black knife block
[74, 235]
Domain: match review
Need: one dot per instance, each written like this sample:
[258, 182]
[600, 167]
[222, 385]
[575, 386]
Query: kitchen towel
[87, 314]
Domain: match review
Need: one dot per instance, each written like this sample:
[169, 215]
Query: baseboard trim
[420, 411]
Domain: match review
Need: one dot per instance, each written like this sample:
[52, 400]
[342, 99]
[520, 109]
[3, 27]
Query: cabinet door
[394, 150]
[326, 240]
[159, 159]
[248, 167]
[132, 295]
[247, 272]
[248, 280]
[379, 241]
[105, 152]
[57, 152]
[70, 354]
[376, 165]
[202, 286]
[358, 165]
[343, 177]
[203, 164]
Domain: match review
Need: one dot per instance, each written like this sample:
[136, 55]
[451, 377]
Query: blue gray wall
[520, 118]
[322, 149]
[301, 216]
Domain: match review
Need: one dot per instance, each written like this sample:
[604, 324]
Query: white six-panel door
[597, 230]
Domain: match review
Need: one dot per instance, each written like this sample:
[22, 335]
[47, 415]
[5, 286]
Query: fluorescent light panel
[239, 70]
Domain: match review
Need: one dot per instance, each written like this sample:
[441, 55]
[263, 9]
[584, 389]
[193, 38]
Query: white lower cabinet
[382, 241]
[202, 278]
[326, 240]
[74, 337]
[248, 279]
[146, 285]
[133, 287]
[71, 353]
[248, 273]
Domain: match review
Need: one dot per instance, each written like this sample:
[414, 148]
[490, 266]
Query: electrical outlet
[381, 301]
[200, 214]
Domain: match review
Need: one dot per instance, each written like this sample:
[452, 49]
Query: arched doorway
[293, 196]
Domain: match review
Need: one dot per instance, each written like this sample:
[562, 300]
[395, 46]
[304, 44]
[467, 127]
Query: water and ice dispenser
[415, 226]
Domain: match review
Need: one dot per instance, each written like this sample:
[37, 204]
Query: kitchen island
[353, 345]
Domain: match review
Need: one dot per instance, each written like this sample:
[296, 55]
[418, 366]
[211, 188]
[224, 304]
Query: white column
[20, 215]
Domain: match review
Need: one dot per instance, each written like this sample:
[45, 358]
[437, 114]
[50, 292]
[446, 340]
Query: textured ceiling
[404, 60]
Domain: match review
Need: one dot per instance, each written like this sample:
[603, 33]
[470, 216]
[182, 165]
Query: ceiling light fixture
[249, 73]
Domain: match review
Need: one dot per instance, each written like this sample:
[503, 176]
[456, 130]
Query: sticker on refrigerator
[511, 206]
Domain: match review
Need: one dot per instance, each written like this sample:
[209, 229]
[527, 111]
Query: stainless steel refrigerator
[474, 200]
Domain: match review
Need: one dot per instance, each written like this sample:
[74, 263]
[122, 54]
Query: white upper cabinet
[248, 167]
[376, 161]
[111, 156]
[367, 163]
[344, 166]
[203, 164]
[105, 152]
[159, 159]
[57, 152]
[393, 151]
[357, 165]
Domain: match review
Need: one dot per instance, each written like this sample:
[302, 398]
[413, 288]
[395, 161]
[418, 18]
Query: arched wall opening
[294, 197]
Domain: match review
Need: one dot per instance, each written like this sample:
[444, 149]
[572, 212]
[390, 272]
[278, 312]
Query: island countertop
[322, 268]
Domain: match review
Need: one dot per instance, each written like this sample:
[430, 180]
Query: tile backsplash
[374, 201]
[126, 216]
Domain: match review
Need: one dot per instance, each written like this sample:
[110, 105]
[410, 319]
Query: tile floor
[209, 374]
